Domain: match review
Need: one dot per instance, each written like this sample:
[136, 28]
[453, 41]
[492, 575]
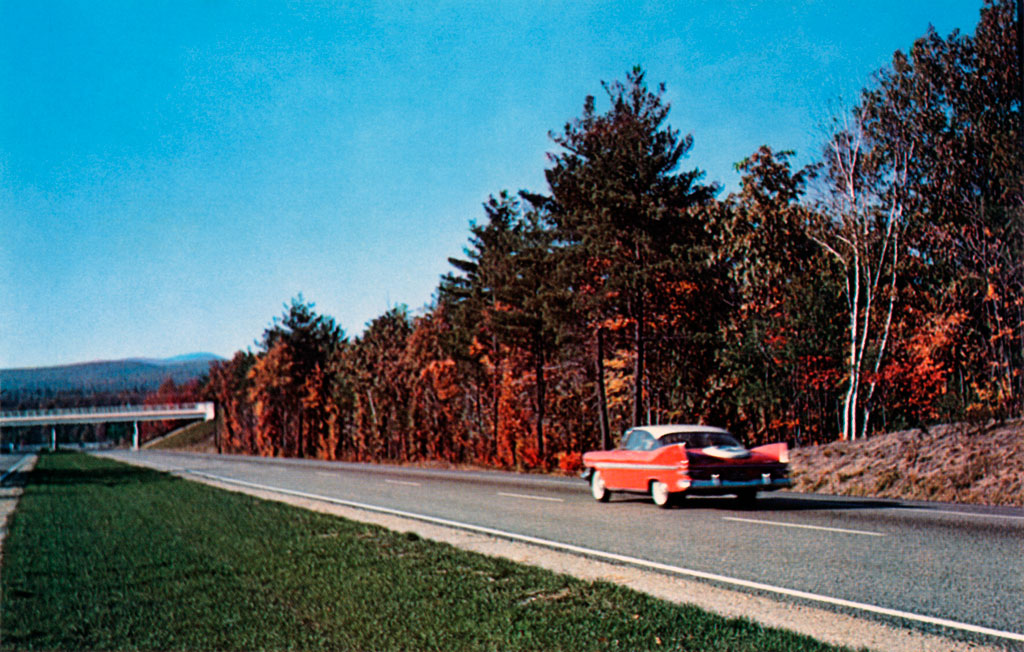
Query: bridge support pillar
[135, 437]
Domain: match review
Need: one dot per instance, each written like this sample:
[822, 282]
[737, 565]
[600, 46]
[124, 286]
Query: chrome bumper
[763, 483]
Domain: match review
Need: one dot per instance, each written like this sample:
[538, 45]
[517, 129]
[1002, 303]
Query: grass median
[104, 556]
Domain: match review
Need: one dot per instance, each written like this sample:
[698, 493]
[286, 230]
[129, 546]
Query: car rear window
[698, 439]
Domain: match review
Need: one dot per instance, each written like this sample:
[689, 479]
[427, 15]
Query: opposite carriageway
[111, 414]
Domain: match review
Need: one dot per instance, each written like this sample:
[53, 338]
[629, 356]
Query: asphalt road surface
[9, 462]
[953, 562]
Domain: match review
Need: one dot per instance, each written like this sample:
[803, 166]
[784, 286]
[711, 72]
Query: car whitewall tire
[598, 489]
[660, 494]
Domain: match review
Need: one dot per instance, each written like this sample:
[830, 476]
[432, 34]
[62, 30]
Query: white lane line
[528, 497]
[976, 515]
[801, 525]
[636, 561]
[403, 482]
[326, 474]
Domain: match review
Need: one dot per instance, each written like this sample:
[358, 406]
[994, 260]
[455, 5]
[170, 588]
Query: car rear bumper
[716, 486]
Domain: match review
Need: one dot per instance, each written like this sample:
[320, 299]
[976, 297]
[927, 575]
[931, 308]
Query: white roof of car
[660, 431]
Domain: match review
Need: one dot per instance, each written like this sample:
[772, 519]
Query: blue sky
[172, 173]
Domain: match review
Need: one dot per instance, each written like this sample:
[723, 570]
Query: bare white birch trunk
[863, 252]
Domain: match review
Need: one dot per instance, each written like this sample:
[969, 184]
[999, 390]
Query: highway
[956, 563]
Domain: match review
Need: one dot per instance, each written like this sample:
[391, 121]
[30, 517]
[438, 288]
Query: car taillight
[784, 455]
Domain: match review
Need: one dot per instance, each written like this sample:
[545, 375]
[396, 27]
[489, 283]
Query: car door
[613, 463]
[633, 463]
[643, 450]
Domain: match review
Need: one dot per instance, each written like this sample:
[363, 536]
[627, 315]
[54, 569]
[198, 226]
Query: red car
[673, 461]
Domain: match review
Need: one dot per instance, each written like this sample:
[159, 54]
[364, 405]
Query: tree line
[881, 287]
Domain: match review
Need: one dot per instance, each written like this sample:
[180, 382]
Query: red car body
[672, 461]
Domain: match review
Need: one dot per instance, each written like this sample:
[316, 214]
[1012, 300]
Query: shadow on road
[768, 503]
[16, 479]
[111, 476]
[791, 503]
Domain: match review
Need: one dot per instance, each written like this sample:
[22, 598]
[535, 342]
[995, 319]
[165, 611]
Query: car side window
[675, 438]
[626, 438]
[638, 440]
[641, 440]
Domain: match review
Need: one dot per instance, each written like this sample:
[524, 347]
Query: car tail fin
[779, 451]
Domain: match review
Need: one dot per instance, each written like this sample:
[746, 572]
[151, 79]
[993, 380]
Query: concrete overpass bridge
[112, 414]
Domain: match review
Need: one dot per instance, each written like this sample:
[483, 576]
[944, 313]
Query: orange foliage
[271, 377]
[570, 462]
[916, 375]
[513, 422]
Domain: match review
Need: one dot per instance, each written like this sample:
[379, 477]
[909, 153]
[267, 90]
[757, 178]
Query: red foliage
[169, 393]
[570, 463]
[917, 374]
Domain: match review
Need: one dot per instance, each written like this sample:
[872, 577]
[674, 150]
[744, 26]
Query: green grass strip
[104, 556]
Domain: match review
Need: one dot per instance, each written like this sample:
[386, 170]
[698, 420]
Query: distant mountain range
[144, 374]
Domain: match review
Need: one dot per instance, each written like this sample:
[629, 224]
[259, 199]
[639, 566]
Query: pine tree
[622, 211]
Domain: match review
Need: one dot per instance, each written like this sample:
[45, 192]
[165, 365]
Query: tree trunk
[477, 401]
[497, 399]
[538, 360]
[638, 369]
[218, 438]
[1020, 59]
[850, 402]
[602, 400]
[885, 338]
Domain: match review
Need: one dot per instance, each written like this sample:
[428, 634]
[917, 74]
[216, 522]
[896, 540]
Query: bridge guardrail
[100, 410]
[100, 414]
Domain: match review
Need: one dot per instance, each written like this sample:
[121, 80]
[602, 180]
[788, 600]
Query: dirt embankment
[979, 464]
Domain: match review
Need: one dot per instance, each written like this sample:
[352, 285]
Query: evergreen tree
[297, 348]
[506, 294]
[622, 210]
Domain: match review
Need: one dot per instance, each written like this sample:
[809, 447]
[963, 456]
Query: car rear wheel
[661, 495]
[598, 489]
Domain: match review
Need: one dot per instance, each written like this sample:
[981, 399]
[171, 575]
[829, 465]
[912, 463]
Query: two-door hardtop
[671, 461]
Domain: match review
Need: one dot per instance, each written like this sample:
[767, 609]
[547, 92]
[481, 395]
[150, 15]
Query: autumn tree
[381, 382]
[864, 210]
[621, 205]
[525, 313]
[944, 126]
[777, 354]
[274, 394]
[229, 386]
[469, 295]
[438, 415]
[297, 349]
[507, 294]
